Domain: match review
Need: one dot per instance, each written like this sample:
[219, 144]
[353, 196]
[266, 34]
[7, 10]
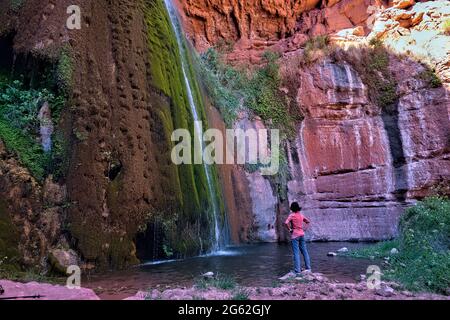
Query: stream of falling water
[197, 126]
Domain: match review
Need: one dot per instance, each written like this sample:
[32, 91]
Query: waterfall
[46, 127]
[197, 120]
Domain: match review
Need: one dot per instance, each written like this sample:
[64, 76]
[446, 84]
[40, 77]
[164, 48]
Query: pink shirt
[297, 220]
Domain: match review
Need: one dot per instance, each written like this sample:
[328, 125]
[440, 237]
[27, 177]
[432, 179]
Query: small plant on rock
[429, 76]
[241, 294]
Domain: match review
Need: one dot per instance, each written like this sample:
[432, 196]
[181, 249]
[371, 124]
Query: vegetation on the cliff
[446, 27]
[19, 125]
[16, 4]
[232, 89]
[64, 70]
[9, 242]
[372, 64]
[423, 260]
[316, 47]
[430, 78]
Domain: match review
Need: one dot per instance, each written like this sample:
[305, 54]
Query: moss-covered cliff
[124, 96]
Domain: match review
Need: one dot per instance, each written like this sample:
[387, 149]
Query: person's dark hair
[295, 207]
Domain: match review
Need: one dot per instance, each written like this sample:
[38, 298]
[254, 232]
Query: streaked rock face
[264, 208]
[340, 161]
[354, 167]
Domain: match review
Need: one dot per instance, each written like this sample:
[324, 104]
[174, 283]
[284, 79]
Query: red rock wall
[355, 168]
[253, 26]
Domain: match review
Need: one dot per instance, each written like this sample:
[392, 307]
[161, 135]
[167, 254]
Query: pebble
[208, 275]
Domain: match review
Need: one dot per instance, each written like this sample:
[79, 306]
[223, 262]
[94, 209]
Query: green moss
[16, 5]
[28, 151]
[9, 242]
[64, 70]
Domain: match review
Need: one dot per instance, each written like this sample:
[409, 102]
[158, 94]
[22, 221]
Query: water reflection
[257, 265]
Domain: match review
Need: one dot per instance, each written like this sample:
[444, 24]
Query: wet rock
[264, 207]
[61, 259]
[50, 224]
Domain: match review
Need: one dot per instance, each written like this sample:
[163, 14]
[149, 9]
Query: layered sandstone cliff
[355, 165]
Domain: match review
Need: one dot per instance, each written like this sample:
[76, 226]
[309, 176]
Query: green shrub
[320, 44]
[219, 282]
[372, 64]
[263, 96]
[241, 294]
[446, 27]
[423, 261]
[429, 76]
[230, 89]
[223, 85]
[19, 127]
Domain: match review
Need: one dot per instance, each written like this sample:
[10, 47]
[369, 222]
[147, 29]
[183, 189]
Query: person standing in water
[294, 224]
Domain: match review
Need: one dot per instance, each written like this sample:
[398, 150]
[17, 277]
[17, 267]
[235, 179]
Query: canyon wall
[125, 198]
[246, 28]
[354, 166]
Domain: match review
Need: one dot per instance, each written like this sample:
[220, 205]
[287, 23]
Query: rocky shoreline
[314, 286]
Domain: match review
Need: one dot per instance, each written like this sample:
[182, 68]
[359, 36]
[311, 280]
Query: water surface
[256, 265]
